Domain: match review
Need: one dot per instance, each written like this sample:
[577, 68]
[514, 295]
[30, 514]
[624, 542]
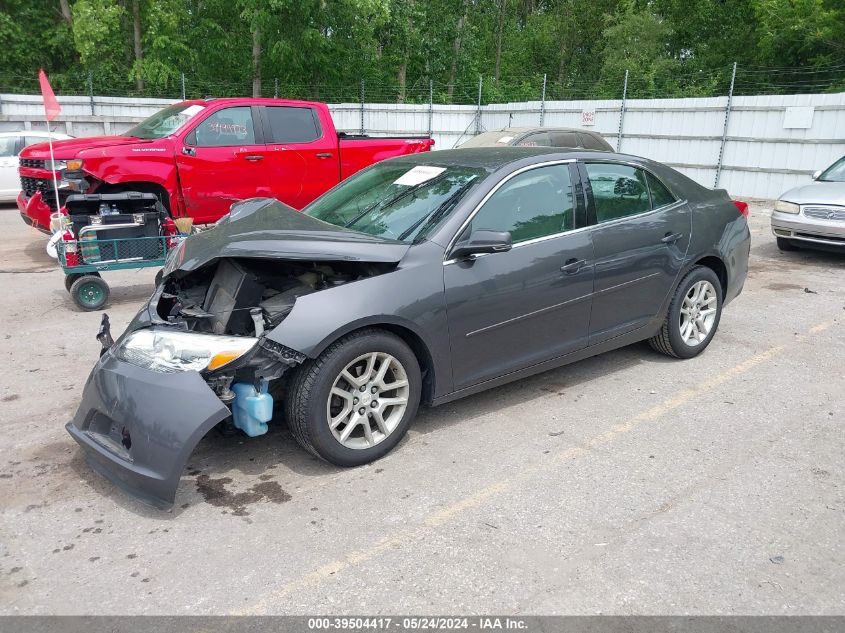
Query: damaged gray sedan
[419, 280]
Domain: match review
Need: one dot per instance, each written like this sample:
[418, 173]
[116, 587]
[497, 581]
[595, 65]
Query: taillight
[742, 207]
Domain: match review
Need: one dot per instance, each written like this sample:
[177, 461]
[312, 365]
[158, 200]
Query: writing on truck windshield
[164, 122]
[396, 201]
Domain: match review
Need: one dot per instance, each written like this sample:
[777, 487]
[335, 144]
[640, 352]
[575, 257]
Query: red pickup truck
[200, 156]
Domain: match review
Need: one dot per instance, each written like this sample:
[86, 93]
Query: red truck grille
[44, 185]
[34, 163]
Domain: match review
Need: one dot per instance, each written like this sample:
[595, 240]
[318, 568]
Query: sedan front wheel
[354, 403]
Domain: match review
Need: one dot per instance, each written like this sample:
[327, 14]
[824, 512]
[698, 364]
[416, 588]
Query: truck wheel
[355, 402]
[693, 315]
[89, 292]
[71, 277]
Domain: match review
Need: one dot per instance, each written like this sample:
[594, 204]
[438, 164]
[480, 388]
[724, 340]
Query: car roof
[493, 158]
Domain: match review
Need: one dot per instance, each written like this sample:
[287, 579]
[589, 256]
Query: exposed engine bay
[246, 297]
[242, 297]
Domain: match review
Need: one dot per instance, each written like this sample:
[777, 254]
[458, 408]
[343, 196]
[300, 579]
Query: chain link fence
[750, 80]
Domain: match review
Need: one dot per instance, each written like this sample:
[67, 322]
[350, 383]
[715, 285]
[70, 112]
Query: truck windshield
[396, 201]
[164, 122]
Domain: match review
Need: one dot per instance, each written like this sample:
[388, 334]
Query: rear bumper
[811, 230]
[35, 212]
[138, 428]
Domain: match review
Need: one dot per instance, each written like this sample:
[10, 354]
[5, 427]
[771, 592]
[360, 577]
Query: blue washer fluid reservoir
[252, 409]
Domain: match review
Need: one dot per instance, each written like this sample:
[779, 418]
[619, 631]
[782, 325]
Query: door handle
[253, 157]
[324, 155]
[189, 151]
[671, 238]
[572, 266]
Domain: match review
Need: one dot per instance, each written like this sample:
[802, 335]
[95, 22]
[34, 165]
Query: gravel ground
[627, 484]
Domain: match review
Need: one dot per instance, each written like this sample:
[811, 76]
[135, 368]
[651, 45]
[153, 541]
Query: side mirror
[481, 242]
[817, 174]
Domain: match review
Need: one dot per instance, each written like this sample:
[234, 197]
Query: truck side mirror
[816, 174]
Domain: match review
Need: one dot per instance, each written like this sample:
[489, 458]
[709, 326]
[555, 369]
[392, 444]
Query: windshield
[834, 173]
[164, 122]
[397, 201]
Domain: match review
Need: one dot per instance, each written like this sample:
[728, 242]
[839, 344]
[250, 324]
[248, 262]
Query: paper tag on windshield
[418, 175]
[191, 110]
[505, 140]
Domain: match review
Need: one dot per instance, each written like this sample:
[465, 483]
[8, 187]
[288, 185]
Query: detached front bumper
[797, 226]
[138, 428]
[35, 212]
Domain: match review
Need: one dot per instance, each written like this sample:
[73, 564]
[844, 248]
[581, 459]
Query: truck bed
[358, 151]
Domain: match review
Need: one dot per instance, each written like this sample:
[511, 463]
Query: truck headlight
[167, 352]
[55, 165]
[783, 206]
[73, 165]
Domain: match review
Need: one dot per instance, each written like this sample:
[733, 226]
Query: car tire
[687, 335]
[89, 292]
[313, 404]
[786, 245]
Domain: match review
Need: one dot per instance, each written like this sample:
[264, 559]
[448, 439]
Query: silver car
[813, 214]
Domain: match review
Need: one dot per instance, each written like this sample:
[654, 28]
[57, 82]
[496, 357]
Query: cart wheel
[71, 277]
[89, 292]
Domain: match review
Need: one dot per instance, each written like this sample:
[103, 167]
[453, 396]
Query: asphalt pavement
[629, 483]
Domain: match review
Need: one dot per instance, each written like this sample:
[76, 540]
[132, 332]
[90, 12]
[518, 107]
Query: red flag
[51, 104]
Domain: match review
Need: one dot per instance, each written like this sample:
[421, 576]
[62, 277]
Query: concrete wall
[764, 153]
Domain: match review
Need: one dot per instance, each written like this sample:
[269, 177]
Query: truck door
[303, 157]
[223, 160]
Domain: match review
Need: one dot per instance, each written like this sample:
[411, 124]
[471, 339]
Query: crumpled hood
[817, 192]
[70, 148]
[264, 228]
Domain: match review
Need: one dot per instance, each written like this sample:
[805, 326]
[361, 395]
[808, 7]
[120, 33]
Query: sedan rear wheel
[693, 315]
[354, 403]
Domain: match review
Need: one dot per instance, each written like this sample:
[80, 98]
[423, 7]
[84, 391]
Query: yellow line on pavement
[445, 514]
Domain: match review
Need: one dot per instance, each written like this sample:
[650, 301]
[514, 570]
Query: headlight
[786, 207]
[165, 351]
[55, 165]
[74, 164]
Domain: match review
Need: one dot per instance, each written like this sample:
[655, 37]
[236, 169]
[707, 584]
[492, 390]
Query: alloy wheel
[367, 400]
[698, 313]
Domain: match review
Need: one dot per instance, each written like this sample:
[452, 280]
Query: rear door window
[226, 128]
[660, 195]
[292, 125]
[565, 139]
[591, 142]
[619, 191]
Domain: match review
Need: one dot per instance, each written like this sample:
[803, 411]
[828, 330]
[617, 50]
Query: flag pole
[52, 109]
[53, 169]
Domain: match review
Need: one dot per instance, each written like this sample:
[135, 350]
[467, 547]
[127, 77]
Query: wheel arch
[408, 335]
[144, 186]
[717, 265]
